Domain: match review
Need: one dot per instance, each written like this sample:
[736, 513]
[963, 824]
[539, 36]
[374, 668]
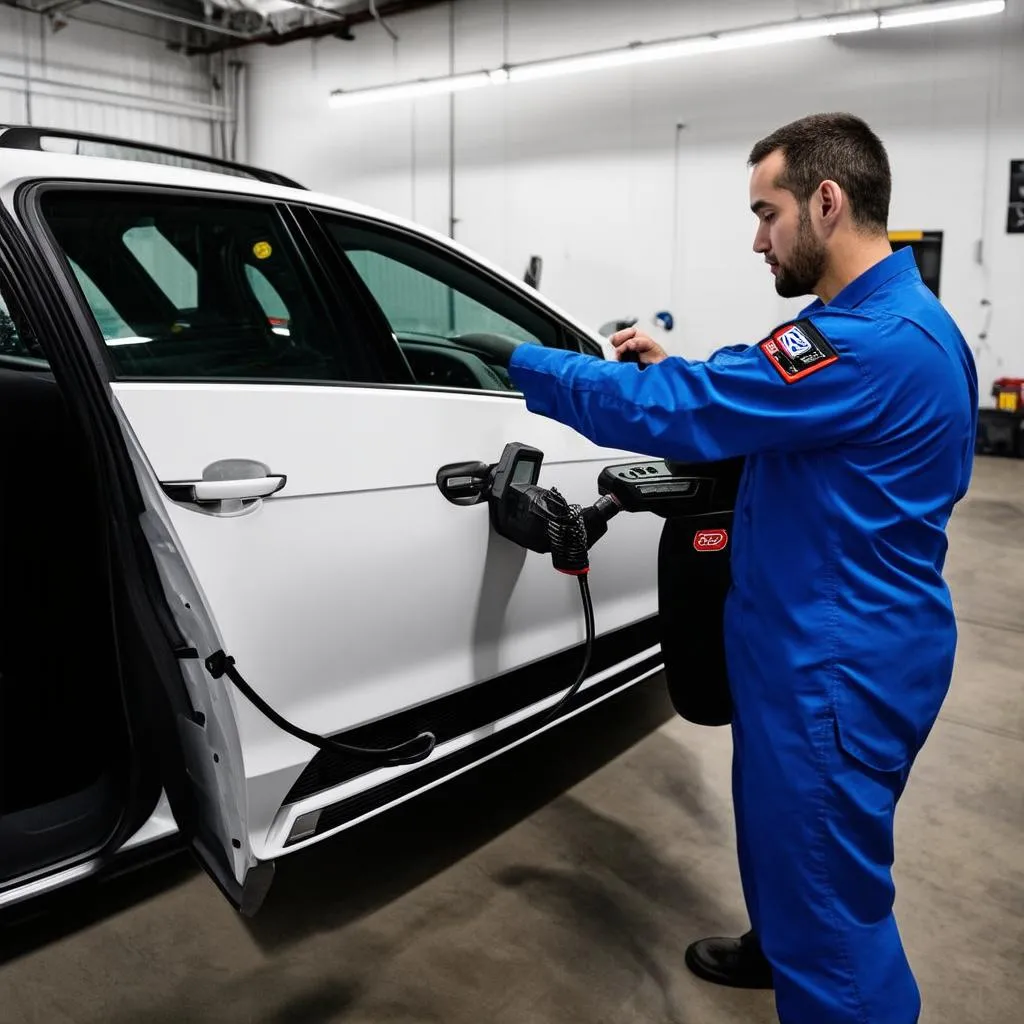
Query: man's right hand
[647, 349]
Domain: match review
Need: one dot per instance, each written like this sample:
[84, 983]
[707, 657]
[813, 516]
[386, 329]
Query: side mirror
[614, 326]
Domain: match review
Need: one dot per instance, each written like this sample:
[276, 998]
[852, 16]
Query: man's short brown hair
[836, 147]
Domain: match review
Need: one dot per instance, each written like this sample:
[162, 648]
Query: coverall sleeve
[739, 401]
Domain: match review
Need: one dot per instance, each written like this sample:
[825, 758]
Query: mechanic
[857, 420]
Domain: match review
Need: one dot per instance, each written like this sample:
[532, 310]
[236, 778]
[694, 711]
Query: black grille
[370, 799]
[458, 713]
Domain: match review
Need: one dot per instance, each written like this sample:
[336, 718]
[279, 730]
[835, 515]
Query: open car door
[184, 729]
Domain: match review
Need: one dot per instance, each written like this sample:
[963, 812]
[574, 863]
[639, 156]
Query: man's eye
[768, 218]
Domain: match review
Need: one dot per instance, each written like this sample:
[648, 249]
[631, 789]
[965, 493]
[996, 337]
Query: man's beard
[806, 266]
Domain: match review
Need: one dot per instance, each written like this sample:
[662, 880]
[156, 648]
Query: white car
[226, 402]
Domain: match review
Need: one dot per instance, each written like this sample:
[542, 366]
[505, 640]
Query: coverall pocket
[864, 737]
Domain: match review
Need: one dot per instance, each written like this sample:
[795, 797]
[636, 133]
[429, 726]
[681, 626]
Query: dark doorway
[927, 246]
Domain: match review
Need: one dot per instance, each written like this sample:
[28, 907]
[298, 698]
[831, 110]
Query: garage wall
[631, 214]
[112, 80]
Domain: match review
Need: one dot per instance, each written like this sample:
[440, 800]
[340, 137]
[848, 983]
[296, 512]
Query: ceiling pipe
[380, 21]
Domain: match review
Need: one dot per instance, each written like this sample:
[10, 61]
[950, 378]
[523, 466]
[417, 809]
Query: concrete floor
[561, 883]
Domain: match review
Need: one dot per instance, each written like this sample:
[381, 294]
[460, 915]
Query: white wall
[582, 170]
[114, 81]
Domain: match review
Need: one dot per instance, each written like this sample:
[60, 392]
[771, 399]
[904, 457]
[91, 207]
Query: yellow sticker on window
[262, 250]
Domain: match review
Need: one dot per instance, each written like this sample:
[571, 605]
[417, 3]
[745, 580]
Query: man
[857, 421]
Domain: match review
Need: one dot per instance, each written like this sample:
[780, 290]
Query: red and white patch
[797, 350]
[710, 540]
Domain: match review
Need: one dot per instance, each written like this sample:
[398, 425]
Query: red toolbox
[1009, 393]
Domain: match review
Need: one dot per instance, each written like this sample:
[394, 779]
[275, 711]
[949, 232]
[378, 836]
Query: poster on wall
[1015, 214]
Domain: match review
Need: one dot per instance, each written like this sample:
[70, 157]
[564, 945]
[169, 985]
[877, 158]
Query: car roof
[18, 167]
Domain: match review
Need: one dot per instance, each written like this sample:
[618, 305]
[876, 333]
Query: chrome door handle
[224, 490]
[235, 489]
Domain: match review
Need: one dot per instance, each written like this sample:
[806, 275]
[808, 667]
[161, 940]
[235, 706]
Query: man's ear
[831, 201]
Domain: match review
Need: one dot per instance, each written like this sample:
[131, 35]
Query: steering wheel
[497, 348]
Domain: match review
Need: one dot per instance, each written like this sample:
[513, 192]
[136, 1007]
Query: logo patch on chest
[797, 350]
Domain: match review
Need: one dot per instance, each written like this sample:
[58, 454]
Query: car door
[289, 452]
[174, 726]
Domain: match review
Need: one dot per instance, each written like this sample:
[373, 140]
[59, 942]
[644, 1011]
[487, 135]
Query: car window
[179, 280]
[416, 303]
[456, 326]
[185, 287]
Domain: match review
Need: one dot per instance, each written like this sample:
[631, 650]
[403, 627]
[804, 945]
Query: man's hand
[631, 340]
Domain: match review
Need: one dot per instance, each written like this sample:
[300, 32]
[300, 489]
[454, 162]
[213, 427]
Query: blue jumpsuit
[858, 422]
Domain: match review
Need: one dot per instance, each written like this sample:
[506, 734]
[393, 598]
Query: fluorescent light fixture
[935, 14]
[640, 54]
[672, 49]
[644, 53]
[817, 28]
[421, 87]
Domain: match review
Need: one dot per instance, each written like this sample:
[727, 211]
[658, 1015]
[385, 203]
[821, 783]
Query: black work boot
[738, 963]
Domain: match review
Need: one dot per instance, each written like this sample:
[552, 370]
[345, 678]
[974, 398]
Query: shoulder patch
[797, 350]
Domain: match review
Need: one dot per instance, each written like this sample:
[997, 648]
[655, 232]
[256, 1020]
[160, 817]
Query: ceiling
[211, 26]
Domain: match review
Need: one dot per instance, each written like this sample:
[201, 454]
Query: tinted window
[455, 325]
[191, 288]
[416, 303]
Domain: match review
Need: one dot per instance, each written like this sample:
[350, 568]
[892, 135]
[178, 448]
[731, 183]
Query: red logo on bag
[710, 540]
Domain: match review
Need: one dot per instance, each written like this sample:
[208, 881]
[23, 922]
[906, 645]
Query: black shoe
[738, 963]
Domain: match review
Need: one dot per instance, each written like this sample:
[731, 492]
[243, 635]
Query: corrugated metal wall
[116, 81]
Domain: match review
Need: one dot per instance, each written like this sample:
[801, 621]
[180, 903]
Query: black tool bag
[693, 580]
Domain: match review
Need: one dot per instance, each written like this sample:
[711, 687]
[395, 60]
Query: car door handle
[213, 491]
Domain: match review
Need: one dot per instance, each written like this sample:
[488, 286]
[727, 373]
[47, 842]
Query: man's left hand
[647, 349]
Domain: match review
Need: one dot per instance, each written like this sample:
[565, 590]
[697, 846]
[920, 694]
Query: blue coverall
[858, 422]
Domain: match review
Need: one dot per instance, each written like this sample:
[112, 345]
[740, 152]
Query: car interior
[63, 739]
[454, 328]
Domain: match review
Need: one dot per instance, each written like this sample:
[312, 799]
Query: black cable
[588, 617]
[417, 749]
[568, 537]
